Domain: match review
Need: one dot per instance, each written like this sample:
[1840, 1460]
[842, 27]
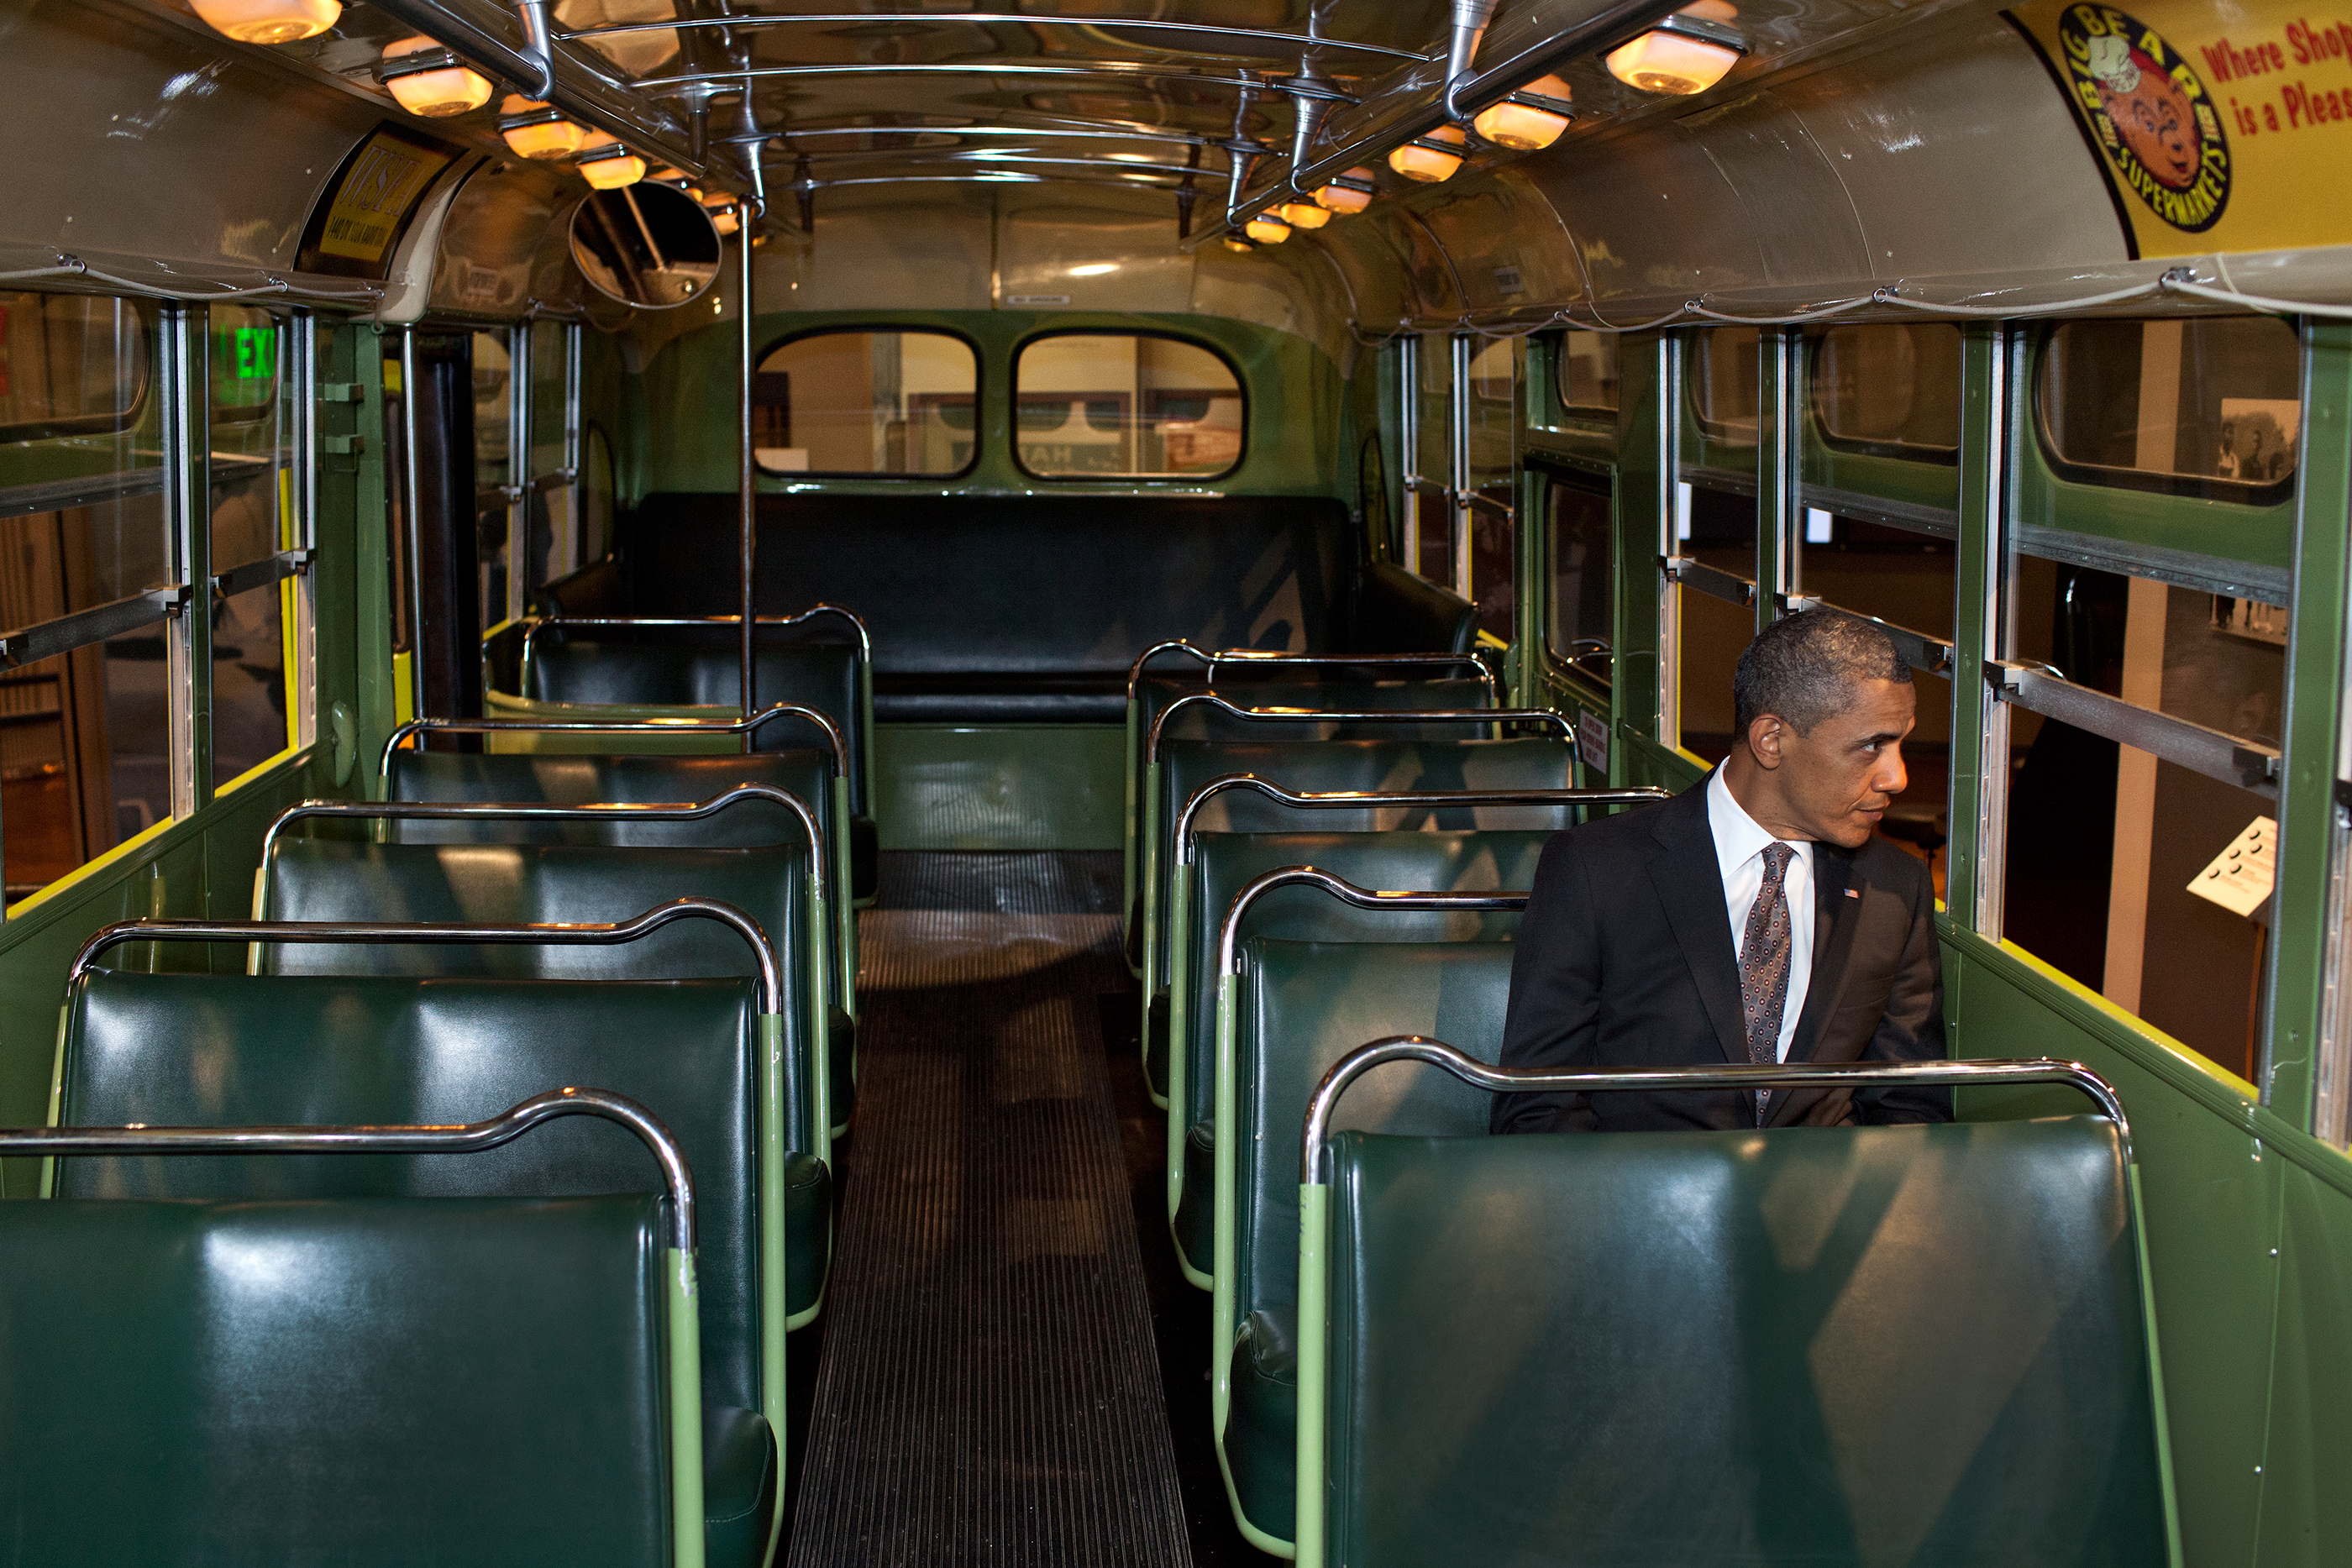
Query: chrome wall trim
[1711, 580]
[82, 628]
[2247, 764]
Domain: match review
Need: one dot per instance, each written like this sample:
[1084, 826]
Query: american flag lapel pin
[1853, 892]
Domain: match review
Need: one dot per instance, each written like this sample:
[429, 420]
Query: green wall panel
[2306, 1510]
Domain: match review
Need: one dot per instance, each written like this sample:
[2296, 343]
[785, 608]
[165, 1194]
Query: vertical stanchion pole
[746, 474]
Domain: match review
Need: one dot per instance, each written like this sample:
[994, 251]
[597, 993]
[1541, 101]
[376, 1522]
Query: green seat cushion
[1920, 1345]
[1397, 763]
[242, 1050]
[335, 880]
[374, 1382]
[739, 1487]
[1196, 1211]
[808, 1233]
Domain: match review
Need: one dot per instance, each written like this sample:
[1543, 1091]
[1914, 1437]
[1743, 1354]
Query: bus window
[1126, 405]
[2209, 406]
[1715, 529]
[252, 522]
[493, 375]
[1585, 374]
[554, 490]
[1372, 497]
[595, 496]
[1493, 442]
[82, 733]
[1892, 389]
[1432, 395]
[866, 402]
[1724, 386]
[2105, 840]
[1583, 597]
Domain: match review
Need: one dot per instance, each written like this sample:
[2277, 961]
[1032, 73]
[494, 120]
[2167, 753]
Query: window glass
[1372, 496]
[595, 496]
[866, 402]
[2206, 406]
[1716, 528]
[1433, 457]
[71, 364]
[1493, 445]
[1892, 388]
[1582, 542]
[551, 403]
[492, 363]
[1127, 406]
[2104, 840]
[1586, 369]
[252, 520]
[1723, 370]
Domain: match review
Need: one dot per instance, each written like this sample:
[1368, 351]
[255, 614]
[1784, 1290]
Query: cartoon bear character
[2147, 106]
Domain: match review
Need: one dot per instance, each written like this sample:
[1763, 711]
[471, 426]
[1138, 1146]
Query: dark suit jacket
[1625, 960]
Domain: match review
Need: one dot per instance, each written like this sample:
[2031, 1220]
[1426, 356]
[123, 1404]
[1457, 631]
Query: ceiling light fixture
[1266, 229]
[1349, 193]
[534, 131]
[607, 165]
[1433, 158]
[269, 21]
[1094, 270]
[427, 79]
[1235, 242]
[1304, 214]
[1683, 54]
[1530, 120]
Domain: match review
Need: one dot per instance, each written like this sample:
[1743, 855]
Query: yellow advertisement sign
[370, 202]
[2222, 126]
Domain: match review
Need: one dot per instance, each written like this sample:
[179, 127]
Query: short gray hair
[1805, 667]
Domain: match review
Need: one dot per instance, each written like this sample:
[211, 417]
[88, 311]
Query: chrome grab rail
[559, 622]
[1248, 656]
[555, 811]
[431, 1138]
[422, 727]
[1314, 1166]
[1539, 715]
[1377, 800]
[429, 932]
[1340, 888]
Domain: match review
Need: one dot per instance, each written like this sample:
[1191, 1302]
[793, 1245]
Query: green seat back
[1920, 1345]
[244, 1050]
[1225, 863]
[1302, 767]
[371, 1383]
[1323, 686]
[585, 780]
[1302, 1007]
[701, 666]
[332, 880]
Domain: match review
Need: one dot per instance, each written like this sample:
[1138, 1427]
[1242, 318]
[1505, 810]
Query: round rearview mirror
[651, 246]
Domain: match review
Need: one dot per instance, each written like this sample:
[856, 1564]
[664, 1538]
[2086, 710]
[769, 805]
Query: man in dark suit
[1755, 917]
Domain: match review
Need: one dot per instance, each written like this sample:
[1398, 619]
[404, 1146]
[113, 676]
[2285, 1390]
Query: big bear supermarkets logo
[2152, 115]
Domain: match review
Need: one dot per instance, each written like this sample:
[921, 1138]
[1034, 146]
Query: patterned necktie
[1764, 964]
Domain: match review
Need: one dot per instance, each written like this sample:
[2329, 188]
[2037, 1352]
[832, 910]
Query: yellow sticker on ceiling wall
[368, 201]
[2217, 123]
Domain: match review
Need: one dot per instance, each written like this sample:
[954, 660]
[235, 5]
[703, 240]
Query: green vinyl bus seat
[1249, 678]
[373, 1381]
[1161, 719]
[642, 779]
[1299, 1007]
[1029, 608]
[1184, 768]
[1222, 866]
[340, 880]
[1929, 1344]
[607, 670]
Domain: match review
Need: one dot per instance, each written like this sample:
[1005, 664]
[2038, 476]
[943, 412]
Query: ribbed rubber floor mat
[989, 1391]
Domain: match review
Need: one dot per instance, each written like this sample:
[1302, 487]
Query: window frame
[2096, 476]
[1583, 413]
[979, 405]
[1027, 341]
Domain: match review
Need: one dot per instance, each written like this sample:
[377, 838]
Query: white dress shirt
[1740, 845]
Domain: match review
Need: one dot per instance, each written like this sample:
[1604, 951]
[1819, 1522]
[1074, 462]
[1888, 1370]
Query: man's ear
[1765, 734]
